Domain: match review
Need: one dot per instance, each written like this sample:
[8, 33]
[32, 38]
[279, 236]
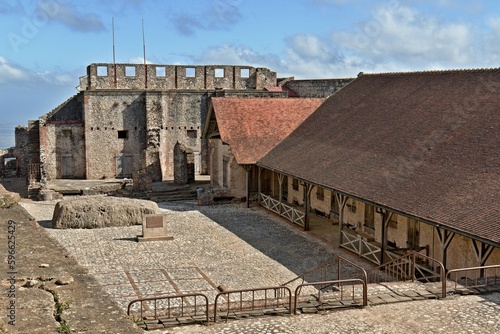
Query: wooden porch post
[280, 192]
[259, 184]
[386, 218]
[247, 181]
[341, 201]
[307, 205]
[482, 251]
[444, 241]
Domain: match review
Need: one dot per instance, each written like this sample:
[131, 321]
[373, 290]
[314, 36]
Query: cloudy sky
[47, 44]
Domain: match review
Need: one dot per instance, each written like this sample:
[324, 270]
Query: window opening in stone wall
[190, 72]
[130, 71]
[122, 134]
[369, 225]
[393, 223]
[192, 134]
[245, 73]
[219, 73]
[66, 133]
[351, 206]
[161, 71]
[295, 184]
[320, 193]
[102, 71]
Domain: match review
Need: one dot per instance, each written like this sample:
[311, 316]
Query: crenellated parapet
[163, 77]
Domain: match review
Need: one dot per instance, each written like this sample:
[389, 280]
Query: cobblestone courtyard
[246, 248]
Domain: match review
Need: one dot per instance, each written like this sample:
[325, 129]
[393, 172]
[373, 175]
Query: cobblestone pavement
[455, 314]
[244, 248]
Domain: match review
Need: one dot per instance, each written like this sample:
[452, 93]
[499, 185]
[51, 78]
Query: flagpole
[144, 51]
[114, 55]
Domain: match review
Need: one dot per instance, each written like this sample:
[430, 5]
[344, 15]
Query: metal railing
[284, 210]
[171, 307]
[253, 300]
[410, 267]
[328, 269]
[338, 293]
[464, 279]
[34, 172]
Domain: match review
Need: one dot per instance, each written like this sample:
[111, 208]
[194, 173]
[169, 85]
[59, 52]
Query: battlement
[163, 77]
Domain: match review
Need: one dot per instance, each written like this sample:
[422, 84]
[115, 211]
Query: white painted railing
[363, 248]
[284, 210]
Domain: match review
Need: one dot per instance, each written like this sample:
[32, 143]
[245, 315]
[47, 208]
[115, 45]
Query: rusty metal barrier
[474, 277]
[258, 299]
[327, 270]
[410, 267]
[340, 292]
[174, 306]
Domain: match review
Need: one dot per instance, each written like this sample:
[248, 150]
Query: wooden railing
[282, 209]
[358, 245]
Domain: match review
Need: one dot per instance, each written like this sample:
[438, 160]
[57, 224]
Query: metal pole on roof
[144, 51]
[114, 55]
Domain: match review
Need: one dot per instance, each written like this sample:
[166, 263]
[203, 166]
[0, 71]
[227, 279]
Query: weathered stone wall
[27, 149]
[161, 77]
[183, 164]
[184, 114]
[118, 128]
[115, 125]
[316, 88]
[64, 150]
[21, 151]
[62, 140]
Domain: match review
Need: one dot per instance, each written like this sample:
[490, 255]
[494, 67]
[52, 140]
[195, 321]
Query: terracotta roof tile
[425, 144]
[253, 126]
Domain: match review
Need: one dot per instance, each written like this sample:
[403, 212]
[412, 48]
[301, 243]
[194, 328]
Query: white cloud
[220, 15]
[405, 35]
[312, 47]
[396, 38]
[139, 60]
[11, 73]
[68, 15]
[237, 55]
[14, 75]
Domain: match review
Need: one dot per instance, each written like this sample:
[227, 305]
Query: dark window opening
[295, 184]
[351, 206]
[122, 134]
[320, 193]
[192, 133]
[369, 225]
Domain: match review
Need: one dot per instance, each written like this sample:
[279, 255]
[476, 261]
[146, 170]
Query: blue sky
[47, 44]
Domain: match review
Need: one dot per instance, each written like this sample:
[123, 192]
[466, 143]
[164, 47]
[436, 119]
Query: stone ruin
[101, 211]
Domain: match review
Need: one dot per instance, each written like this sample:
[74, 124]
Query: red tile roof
[425, 144]
[253, 126]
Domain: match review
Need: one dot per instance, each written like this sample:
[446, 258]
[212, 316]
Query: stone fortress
[143, 121]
